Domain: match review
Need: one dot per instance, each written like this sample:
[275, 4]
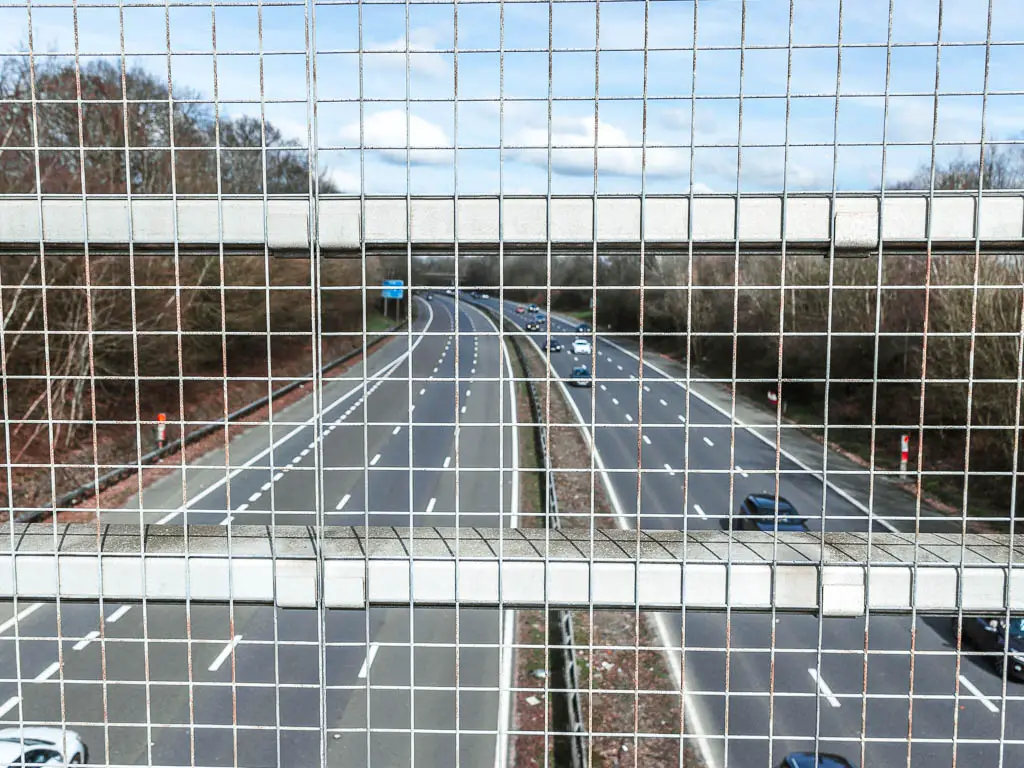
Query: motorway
[767, 695]
[241, 685]
[248, 685]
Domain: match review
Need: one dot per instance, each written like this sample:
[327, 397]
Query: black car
[989, 634]
[582, 328]
[555, 346]
[767, 512]
[532, 326]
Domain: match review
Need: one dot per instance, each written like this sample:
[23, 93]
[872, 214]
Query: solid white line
[823, 687]
[708, 441]
[978, 694]
[15, 619]
[447, 461]
[85, 641]
[382, 373]
[374, 460]
[430, 505]
[371, 654]
[742, 471]
[49, 672]
[344, 500]
[396, 430]
[223, 655]
[699, 510]
[8, 705]
[647, 439]
[116, 615]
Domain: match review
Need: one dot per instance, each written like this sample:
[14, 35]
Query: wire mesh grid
[154, 378]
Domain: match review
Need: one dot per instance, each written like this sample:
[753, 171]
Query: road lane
[799, 711]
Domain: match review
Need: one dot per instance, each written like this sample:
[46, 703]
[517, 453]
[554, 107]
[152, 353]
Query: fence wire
[179, 347]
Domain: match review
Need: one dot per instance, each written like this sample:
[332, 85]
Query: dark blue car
[582, 328]
[766, 512]
[991, 635]
[810, 760]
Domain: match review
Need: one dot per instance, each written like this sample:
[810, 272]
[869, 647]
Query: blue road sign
[393, 289]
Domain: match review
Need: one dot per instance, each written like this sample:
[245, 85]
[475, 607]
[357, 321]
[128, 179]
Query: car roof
[767, 501]
[824, 760]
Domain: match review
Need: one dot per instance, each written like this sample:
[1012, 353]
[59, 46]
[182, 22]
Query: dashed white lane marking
[82, 644]
[977, 694]
[823, 687]
[8, 705]
[663, 402]
[423, 391]
[669, 468]
[435, 370]
[304, 452]
[371, 654]
[223, 655]
[628, 417]
[430, 505]
[615, 400]
[699, 510]
[742, 471]
[255, 496]
[344, 500]
[708, 441]
[265, 487]
[619, 367]
[469, 392]
[396, 430]
[412, 407]
[28, 611]
[278, 476]
[241, 508]
[463, 409]
[116, 615]
[49, 672]
[647, 439]
[374, 460]
[681, 418]
[603, 387]
[447, 461]
[227, 520]
[473, 370]
[646, 388]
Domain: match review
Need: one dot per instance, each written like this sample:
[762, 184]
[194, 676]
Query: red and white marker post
[904, 455]
[161, 429]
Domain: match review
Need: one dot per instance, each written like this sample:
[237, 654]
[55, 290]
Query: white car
[41, 746]
[580, 347]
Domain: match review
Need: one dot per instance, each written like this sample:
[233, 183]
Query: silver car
[41, 746]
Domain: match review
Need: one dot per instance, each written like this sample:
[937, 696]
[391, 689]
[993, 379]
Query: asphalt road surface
[753, 704]
[241, 685]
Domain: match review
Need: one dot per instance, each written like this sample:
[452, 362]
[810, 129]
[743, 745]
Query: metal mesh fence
[745, 275]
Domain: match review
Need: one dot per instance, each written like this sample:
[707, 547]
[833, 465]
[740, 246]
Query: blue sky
[678, 116]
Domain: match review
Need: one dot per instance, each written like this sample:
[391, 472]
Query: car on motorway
[533, 326]
[767, 512]
[450, 292]
[811, 760]
[990, 633]
[581, 376]
[520, 310]
[582, 328]
[534, 308]
[41, 746]
[555, 346]
[581, 347]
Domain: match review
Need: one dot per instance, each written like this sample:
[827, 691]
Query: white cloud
[386, 131]
[573, 141]
[424, 53]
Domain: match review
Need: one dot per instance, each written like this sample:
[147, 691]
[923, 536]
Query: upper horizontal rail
[855, 222]
[834, 573]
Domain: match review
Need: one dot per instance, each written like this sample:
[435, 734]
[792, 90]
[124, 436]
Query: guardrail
[572, 749]
[78, 495]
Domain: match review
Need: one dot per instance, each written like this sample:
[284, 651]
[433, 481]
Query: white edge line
[659, 619]
[382, 373]
[818, 475]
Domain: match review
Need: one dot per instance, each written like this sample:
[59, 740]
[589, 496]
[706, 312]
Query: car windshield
[1017, 626]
